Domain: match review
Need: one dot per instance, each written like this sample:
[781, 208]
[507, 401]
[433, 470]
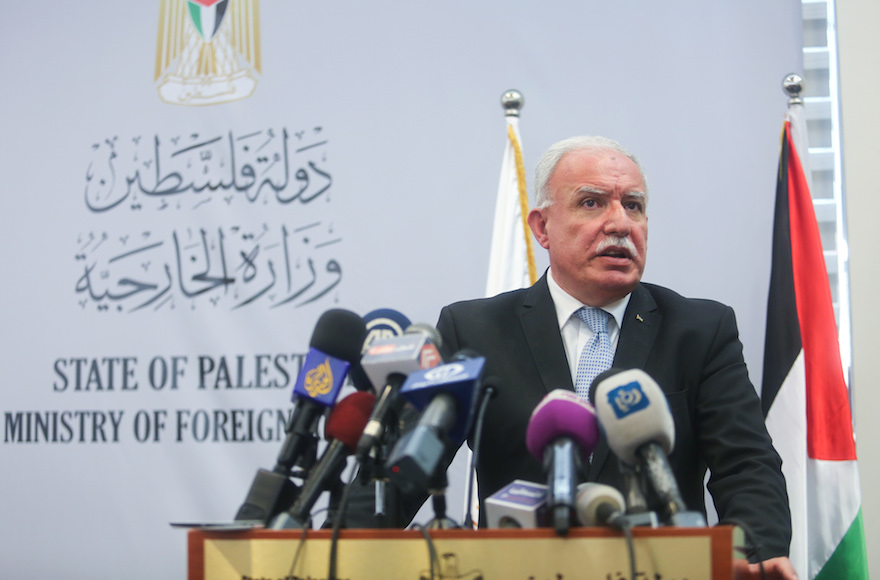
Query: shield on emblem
[207, 16]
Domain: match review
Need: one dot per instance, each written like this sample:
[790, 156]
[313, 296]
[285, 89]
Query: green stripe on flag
[195, 14]
[850, 559]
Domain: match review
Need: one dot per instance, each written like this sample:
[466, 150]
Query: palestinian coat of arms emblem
[207, 51]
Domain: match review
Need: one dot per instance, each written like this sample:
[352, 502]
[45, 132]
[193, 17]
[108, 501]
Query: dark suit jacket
[690, 347]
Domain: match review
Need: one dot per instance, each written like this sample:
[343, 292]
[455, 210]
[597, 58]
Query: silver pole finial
[793, 85]
[512, 101]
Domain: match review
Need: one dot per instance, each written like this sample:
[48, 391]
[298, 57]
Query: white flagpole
[511, 259]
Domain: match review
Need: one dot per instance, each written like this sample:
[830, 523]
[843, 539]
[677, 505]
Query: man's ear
[538, 223]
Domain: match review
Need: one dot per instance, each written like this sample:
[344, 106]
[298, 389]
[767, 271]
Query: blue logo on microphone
[627, 399]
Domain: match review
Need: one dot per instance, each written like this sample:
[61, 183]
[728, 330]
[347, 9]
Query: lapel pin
[639, 318]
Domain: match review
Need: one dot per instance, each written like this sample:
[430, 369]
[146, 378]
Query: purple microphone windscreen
[562, 414]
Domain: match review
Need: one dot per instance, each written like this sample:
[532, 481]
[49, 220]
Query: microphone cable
[433, 560]
[623, 525]
[486, 395]
[337, 524]
[300, 545]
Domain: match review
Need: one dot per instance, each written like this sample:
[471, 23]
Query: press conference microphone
[562, 433]
[634, 494]
[638, 425]
[387, 363]
[342, 430]
[445, 394]
[381, 323]
[335, 344]
[600, 505]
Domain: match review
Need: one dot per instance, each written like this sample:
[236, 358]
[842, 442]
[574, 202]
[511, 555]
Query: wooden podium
[504, 554]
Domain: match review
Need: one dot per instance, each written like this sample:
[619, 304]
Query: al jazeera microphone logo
[319, 380]
[207, 51]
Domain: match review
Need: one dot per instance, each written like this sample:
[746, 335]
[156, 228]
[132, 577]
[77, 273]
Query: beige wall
[857, 22]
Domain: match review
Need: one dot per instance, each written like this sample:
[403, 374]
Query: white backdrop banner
[188, 186]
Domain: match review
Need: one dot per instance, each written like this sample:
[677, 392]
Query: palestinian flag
[207, 16]
[804, 395]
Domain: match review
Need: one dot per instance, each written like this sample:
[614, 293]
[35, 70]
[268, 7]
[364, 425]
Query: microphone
[335, 344]
[519, 504]
[562, 433]
[638, 425]
[600, 505]
[381, 323]
[342, 429]
[384, 323]
[387, 362]
[445, 394]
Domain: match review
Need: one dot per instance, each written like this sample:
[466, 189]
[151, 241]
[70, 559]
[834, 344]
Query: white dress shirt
[576, 334]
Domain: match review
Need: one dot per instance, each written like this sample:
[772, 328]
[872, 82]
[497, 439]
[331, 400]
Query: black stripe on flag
[782, 344]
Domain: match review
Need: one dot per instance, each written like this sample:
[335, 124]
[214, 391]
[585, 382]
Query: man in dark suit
[590, 215]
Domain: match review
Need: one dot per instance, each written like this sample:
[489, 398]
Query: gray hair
[548, 162]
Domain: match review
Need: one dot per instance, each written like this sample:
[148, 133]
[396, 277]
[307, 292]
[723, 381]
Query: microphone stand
[440, 521]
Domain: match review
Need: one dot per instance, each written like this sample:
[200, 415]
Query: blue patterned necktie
[597, 355]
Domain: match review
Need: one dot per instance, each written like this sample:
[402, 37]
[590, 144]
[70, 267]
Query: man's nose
[618, 221]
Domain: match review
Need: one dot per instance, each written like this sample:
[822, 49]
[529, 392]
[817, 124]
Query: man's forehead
[598, 162]
[598, 169]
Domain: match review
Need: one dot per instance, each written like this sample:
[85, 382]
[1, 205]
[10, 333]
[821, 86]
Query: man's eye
[634, 206]
[590, 203]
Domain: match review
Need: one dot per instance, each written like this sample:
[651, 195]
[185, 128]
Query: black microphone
[342, 429]
[387, 362]
[335, 345]
[445, 394]
[562, 433]
[638, 425]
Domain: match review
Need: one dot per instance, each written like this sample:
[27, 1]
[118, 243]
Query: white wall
[406, 97]
[857, 22]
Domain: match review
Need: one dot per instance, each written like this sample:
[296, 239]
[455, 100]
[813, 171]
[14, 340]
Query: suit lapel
[641, 322]
[538, 319]
[640, 325]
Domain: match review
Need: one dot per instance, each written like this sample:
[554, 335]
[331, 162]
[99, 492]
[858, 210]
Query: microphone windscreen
[427, 330]
[592, 495]
[348, 418]
[359, 377]
[340, 334]
[384, 322]
[381, 323]
[632, 411]
[562, 414]
[599, 378]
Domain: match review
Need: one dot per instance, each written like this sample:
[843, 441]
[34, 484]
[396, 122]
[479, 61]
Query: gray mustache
[620, 242]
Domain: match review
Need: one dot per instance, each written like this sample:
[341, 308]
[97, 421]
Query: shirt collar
[566, 304]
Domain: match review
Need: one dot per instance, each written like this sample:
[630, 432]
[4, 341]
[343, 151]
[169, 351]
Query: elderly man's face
[596, 228]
